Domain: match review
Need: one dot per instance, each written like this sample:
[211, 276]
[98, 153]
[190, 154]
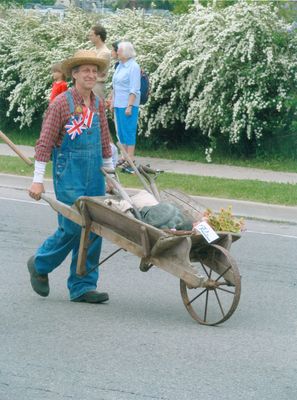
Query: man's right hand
[36, 190]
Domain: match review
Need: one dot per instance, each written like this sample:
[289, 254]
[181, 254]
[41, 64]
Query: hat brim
[70, 63]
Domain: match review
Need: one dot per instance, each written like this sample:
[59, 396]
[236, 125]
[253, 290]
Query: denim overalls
[76, 172]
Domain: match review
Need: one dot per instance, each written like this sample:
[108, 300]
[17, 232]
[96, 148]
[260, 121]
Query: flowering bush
[152, 36]
[230, 72]
[227, 73]
[29, 45]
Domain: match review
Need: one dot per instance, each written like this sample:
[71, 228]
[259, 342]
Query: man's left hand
[36, 190]
[109, 187]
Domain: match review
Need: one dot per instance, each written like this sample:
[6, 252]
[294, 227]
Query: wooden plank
[119, 222]
[176, 261]
[117, 239]
[164, 244]
[145, 241]
[84, 241]
[65, 210]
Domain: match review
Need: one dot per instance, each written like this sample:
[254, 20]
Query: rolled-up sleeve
[134, 79]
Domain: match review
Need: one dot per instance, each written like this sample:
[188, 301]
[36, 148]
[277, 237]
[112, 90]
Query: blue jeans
[56, 248]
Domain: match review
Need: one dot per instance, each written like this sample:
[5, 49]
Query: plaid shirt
[55, 119]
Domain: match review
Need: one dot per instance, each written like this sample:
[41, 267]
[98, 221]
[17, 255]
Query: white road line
[272, 234]
[24, 201]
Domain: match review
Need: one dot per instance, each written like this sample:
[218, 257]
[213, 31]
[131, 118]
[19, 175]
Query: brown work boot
[92, 297]
[39, 282]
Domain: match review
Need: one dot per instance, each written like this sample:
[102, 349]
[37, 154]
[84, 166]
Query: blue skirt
[126, 125]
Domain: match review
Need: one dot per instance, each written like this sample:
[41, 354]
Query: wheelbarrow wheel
[217, 300]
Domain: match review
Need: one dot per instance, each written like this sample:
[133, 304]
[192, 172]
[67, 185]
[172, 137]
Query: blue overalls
[76, 172]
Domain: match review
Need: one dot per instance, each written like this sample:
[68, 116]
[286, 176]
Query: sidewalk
[193, 168]
[246, 209]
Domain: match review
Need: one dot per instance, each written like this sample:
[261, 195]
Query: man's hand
[36, 190]
[108, 103]
[109, 187]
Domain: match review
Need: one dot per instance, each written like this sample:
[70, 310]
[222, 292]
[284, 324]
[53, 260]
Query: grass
[15, 166]
[187, 154]
[265, 192]
[28, 136]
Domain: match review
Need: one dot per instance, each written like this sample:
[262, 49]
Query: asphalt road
[143, 344]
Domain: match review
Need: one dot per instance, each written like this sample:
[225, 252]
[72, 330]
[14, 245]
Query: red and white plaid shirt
[55, 119]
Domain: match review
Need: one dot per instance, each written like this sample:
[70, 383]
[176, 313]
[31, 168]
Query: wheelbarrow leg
[84, 240]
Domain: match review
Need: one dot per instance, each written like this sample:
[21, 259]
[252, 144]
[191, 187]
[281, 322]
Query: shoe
[92, 297]
[128, 170]
[121, 161]
[123, 164]
[39, 282]
[126, 164]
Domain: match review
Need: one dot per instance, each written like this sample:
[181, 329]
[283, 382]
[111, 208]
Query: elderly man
[75, 133]
[97, 36]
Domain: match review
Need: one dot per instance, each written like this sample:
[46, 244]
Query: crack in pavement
[148, 396]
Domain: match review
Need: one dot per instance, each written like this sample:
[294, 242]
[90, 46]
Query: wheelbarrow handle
[149, 170]
[15, 149]
[132, 165]
[63, 209]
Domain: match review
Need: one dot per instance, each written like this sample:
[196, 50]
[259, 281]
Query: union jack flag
[75, 127]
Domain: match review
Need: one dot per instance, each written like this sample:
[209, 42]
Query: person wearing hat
[75, 134]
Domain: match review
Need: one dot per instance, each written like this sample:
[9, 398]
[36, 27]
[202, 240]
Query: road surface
[143, 344]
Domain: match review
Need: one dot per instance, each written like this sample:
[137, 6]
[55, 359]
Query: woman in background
[126, 97]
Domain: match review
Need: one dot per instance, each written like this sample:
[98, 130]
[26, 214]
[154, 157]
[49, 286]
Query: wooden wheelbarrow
[209, 277]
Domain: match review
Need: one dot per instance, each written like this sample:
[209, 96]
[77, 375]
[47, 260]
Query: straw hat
[82, 57]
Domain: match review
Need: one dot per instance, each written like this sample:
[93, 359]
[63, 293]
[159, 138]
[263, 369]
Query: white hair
[127, 49]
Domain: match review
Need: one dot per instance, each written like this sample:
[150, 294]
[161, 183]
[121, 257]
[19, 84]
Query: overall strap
[97, 103]
[70, 101]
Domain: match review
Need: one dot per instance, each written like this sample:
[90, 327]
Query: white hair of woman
[127, 49]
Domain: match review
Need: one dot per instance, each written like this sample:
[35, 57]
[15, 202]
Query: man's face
[86, 76]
